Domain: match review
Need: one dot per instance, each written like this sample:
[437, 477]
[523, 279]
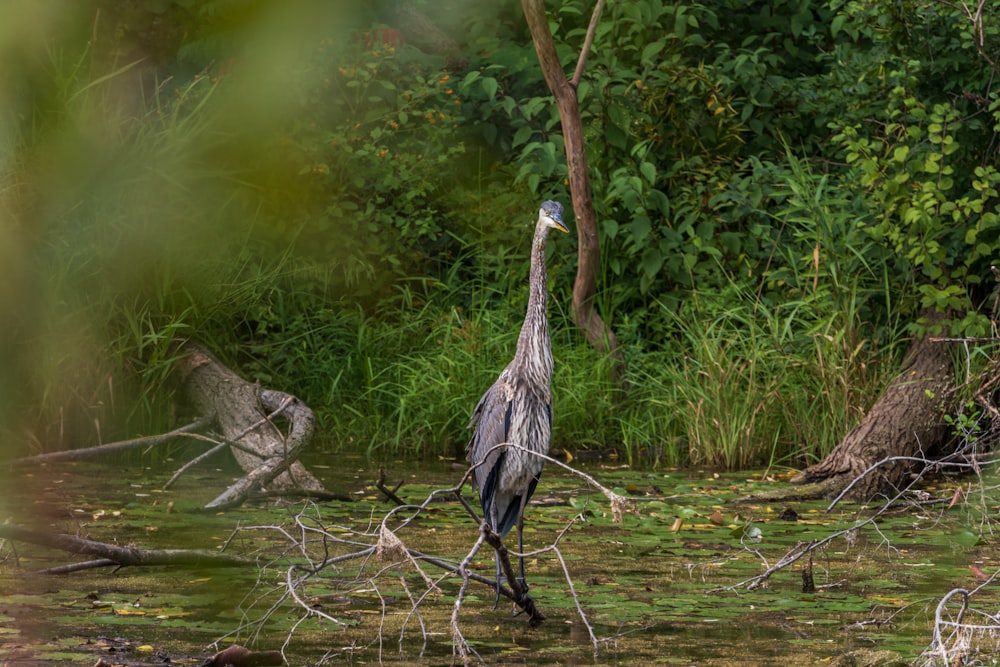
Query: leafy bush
[352, 224]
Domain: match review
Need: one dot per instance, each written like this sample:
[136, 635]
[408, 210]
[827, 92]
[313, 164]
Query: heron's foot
[523, 599]
[520, 589]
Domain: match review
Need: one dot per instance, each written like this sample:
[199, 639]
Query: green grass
[167, 226]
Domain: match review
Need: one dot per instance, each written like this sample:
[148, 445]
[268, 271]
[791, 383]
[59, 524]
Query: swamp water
[661, 587]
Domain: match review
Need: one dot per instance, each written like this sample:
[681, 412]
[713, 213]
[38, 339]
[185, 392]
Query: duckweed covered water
[658, 588]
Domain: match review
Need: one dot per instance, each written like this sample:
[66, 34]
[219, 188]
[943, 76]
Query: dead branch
[148, 441]
[248, 417]
[238, 656]
[808, 548]
[257, 478]
[958, 645]
[78, 567]
[518, 590]
[217, 446]
[389, 493]
[123, 556]
[366, 562]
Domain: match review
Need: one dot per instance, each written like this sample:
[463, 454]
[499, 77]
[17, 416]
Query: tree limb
[123, 556]
[598, 334]
[111, 447]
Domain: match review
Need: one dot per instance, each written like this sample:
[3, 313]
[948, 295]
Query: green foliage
[379, 145]
[929, 179]
[780, 189]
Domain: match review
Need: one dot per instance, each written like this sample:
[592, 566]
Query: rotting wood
[246, 414]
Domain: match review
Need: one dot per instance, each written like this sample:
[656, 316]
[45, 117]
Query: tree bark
[246, 413]
[601, 336]
[906, 421]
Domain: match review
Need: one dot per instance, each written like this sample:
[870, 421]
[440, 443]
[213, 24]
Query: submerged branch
[803, 549]
[123, 556]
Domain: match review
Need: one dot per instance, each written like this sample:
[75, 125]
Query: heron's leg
[496, 522]
[520, 541]
[496, 602]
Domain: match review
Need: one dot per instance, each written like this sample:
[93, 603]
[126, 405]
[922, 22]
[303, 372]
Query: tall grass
[154, 229]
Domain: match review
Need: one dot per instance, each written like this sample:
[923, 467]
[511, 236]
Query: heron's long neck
[534, 351]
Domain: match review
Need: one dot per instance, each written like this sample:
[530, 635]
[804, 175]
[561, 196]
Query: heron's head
[551, 214]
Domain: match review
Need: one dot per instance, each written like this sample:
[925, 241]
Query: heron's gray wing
[490, 421]
[491, 427]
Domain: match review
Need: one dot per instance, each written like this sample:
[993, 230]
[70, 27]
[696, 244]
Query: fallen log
[111, 554]
[248, 418]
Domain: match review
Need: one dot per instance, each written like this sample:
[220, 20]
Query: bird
[517, 409]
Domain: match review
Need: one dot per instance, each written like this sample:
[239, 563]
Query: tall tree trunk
[906, 421]
[584, 314]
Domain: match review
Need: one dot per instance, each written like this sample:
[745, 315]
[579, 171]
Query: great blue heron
[517, 409]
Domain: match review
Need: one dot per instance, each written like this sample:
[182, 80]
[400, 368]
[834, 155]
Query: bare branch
[587, 43]
[147, 441]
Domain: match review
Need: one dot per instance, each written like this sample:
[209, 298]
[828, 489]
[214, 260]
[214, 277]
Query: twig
[195, 461]
[318, 550]
[389, 493]
[803, 549]
[77, 567]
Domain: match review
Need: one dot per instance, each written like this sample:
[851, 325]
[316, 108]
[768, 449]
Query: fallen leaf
[955, 497]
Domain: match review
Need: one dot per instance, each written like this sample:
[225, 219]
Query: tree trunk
[584, 314]
[906, 421]
[246, 414]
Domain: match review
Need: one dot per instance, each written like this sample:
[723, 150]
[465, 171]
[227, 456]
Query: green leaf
[522, 135]
[660, 201]
[648, 171]
[615, 137]
[651, 52]
[610, 227]
[490, 86]
[837, 24]
[652, 261]
[639, 229]
[680, 22]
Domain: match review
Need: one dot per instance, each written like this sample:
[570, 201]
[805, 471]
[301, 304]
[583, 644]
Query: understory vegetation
[782, 189]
